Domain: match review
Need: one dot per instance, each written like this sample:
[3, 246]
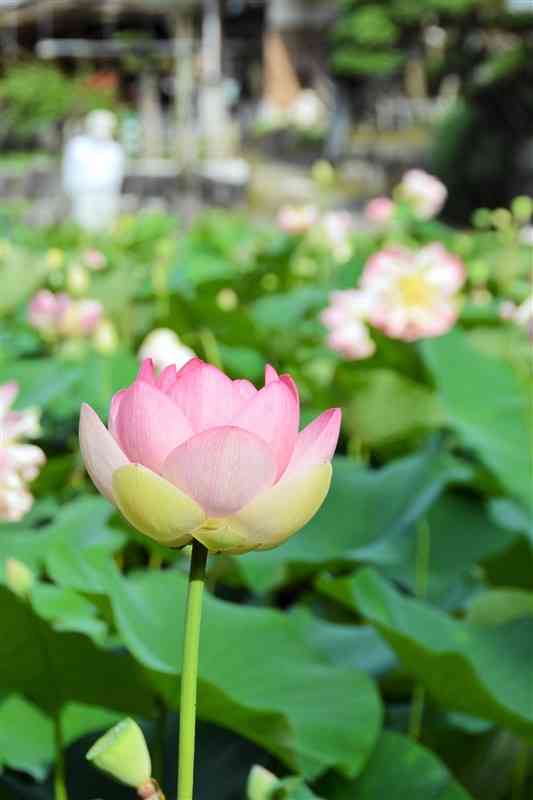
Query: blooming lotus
[344, 317]
[412, 294]
[191, 454]
[19, 462]
[425, 194]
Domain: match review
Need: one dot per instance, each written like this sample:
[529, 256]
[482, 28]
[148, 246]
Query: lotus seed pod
[18, 577]
[123, 754]
[261, 784]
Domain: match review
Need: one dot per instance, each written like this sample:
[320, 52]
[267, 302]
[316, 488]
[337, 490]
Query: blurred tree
[36, 96]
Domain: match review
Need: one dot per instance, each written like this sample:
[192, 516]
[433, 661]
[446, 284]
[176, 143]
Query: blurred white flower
[308, 110]
[337, 227]
[526, 235]
[19, 462]
[164, 347]
[425, 194]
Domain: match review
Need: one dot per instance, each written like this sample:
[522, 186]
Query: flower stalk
[60, 777]
[189, 672]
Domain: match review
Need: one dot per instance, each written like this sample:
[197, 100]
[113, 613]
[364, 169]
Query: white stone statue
[93, 171]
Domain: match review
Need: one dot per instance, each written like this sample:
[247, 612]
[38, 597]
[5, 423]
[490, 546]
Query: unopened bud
[78, 280]
[502, 219]
[55, 258]
[261, 784]
[227, 299]
[18, 577]
[123, 754]
[522, 208]
[105, 337]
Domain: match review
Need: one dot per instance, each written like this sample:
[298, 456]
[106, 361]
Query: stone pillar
[186, 147]
[213, 113]
[151, 115]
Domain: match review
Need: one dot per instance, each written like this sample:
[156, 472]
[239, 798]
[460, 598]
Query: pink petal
[147, 372]
[316, 443]
[8, 392]
[167, 380]
[101, 454]
[149, 425]
[222, 469]
[271, 374]
[205, 395]
[291, 383]
[113, 411]
[273, 414]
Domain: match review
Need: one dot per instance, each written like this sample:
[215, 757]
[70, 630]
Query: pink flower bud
[379, 211]
[297, 219]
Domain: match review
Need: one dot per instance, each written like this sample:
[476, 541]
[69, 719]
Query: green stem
[210, 347]
[423, 550]
[60, 779]
[189, 672]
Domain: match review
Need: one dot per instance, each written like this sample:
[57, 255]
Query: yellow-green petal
[155, 507]
[279, 512]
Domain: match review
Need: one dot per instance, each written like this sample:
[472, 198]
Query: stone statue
[93, 171]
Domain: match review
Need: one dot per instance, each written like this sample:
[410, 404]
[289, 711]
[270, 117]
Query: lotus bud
[323, 173]
[94, 260]
[55, 258]
[261, 784]
[123, 754]
[479, 272]
[227, 299]
[105, 337]
[78, 280]
[522, 208]
[502, 219]
[18, 577]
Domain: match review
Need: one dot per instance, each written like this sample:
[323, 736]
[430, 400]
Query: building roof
[20, 12]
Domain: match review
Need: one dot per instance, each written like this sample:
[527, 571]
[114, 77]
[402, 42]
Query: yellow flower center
[415, 291]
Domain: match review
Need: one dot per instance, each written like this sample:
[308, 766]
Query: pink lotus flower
[379, 211]
[164, 347]
[59, 315]
[19, 462]
[425, 194]
[297, 219]
[344, 318]
[192, 454]
[412, 294]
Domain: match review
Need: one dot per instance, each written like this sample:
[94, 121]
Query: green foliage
[416, 571]
[34, 96]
